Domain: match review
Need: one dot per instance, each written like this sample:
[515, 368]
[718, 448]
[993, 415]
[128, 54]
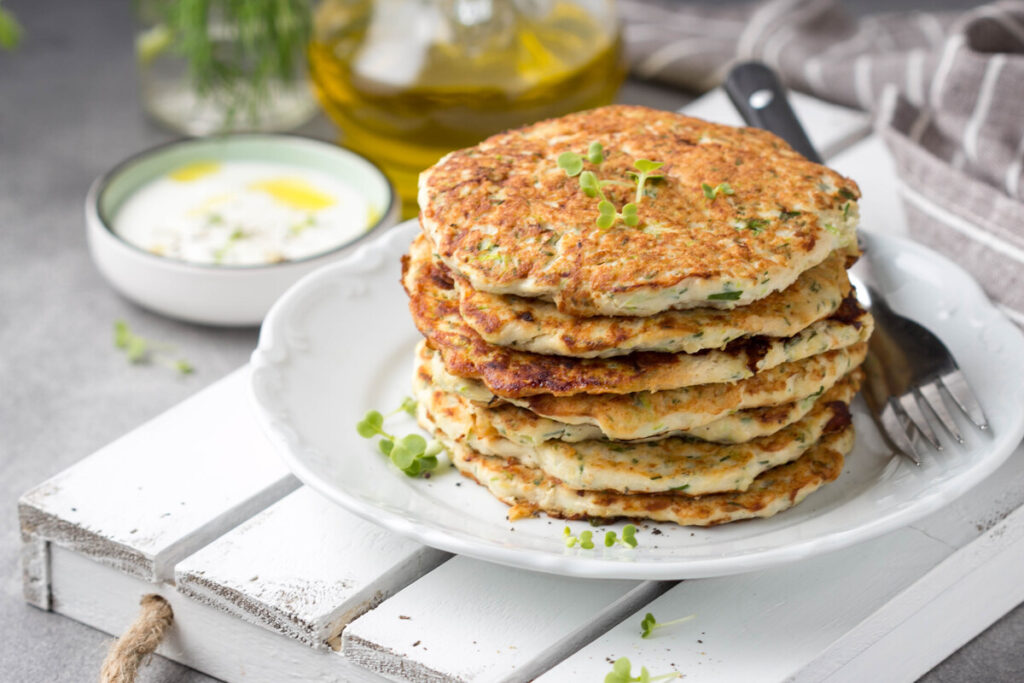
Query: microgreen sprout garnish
[10, 30]
[139, 350]
[732, 295]
[649, 624]
[571, 163]
[135, 347]
[586, 538]
[301, 226]
[408, 405]
[220, 253]
[720, 188]
[622, 672]
[607, 215]
[647, 170]
[411, 453]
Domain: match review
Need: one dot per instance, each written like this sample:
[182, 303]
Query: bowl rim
[102, 183]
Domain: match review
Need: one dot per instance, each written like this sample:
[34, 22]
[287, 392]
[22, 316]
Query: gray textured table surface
[69, 111]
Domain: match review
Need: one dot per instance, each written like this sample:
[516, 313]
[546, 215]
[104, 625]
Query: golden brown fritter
[645, 413]
[670, 464]
[538, 326]
[434, 304]
[621, 416]
[507, 218]
[526, 427]
[529, 490]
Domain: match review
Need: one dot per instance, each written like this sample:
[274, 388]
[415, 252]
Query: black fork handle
[760, 98]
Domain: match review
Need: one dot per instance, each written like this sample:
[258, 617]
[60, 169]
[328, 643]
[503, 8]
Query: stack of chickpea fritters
[633, 313]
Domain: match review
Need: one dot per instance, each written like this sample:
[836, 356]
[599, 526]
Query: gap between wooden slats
[162, 491]
[304, 567]
[469, 620]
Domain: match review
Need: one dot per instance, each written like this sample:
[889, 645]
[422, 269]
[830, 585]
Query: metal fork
[907, 365]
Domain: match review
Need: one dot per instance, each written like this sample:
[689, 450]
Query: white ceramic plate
[341, 342]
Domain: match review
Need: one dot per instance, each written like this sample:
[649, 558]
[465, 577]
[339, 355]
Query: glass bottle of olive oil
[410, 80]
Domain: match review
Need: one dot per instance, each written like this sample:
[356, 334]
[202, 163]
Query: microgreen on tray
[649, 624]
[622, 672]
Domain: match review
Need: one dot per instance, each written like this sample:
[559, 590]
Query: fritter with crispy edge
[433, 302]
[528, 490]
[669, 464]
[538, 326]
[526, 427]
[736, 215]
[634, 416]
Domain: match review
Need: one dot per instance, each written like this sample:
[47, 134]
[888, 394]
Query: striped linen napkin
[947, 92]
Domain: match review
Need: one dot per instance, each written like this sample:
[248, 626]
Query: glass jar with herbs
[213, 66]
[409, 80]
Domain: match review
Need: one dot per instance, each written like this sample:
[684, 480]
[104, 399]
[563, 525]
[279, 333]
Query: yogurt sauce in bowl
[243, 213]
[214, 230]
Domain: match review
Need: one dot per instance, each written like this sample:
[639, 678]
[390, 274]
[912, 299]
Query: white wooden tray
[269, 582]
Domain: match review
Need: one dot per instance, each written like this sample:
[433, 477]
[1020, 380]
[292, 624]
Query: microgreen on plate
[410, 453]
[720, 188]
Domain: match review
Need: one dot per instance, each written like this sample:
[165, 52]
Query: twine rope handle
[138, 642]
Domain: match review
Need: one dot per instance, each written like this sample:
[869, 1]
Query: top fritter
[735, 215]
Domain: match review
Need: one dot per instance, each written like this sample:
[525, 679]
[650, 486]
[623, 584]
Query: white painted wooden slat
[163, 490]
[473, 621]
[846, 616]
[949, 606]
[831, 127]
[202, 637]
[980, 525]
[303, 567]
[760, 626]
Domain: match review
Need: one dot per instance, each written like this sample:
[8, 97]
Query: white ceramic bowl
[219, 294]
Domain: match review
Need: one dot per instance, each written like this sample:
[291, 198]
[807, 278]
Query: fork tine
[896, 433]
[917, 418]
[930, 394]
[956, 384]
